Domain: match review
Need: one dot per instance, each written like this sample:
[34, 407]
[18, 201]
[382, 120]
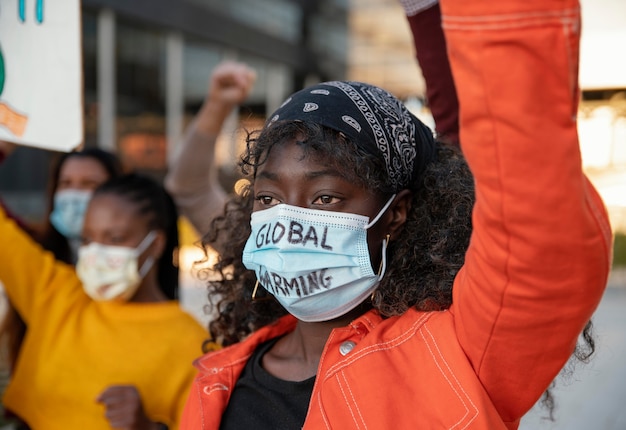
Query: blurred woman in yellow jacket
[107, 345]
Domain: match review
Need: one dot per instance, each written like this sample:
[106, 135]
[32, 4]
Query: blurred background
[146, 66]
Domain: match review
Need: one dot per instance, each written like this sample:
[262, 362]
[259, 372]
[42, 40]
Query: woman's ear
[398, 213]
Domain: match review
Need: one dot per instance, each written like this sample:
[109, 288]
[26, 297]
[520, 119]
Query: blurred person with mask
[73, 178]
[107, 345]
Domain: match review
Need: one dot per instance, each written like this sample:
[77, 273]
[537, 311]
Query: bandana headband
[371, 117]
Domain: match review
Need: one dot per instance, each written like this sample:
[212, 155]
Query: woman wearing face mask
[365, 289]
[73, 178]
[115, 349]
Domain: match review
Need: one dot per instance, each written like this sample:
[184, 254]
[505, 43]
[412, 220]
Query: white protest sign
[41, 73]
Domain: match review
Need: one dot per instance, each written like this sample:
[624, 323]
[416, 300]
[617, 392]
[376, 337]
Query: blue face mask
[316, 263]
[68, 212]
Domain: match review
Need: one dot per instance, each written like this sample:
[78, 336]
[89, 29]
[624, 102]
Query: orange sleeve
[539, 255]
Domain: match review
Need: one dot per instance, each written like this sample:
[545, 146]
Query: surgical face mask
[112, 272]
[68, 212]
[315, 263]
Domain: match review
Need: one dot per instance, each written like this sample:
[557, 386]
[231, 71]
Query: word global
[272, 234]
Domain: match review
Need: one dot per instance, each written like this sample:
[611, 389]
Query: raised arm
[31, 276]
[424, 18]
[192, 178]
[538, 261]
[28, 273]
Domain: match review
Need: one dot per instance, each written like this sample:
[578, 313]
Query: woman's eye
[326, 200]
[267, 200]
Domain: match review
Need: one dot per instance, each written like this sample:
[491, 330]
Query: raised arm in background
[192, 178]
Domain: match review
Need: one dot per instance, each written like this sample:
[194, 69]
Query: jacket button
[346, 347]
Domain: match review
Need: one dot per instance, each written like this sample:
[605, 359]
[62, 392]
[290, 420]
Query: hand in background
[229, 85]
[192, 178]
[123, 408]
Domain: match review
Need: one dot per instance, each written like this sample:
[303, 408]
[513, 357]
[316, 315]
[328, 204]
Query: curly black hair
[442, 202]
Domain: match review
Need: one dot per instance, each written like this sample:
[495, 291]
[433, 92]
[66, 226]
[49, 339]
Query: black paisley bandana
[371, 117]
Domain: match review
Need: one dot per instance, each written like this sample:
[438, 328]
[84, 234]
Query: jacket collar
[233, 355]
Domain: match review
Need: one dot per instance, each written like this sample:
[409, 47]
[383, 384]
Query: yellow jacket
[76, 347]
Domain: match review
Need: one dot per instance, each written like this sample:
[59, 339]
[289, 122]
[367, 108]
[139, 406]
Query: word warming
[299, 286]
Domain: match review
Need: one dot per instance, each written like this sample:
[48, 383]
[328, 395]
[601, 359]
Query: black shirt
[261, 401]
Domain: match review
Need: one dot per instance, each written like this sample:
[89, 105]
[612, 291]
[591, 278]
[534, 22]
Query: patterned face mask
[315, 263]
[112, 272]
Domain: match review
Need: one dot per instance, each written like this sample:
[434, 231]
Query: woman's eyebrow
[326, 172]
[267, 175]
[308, 175]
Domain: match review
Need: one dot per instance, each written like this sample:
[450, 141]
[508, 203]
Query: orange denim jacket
[534, 272]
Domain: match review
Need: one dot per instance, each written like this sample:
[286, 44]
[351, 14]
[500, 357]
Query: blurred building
[381, 48]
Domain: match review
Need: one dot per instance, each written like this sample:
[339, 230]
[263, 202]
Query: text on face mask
[299, 286]
[295, 234]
